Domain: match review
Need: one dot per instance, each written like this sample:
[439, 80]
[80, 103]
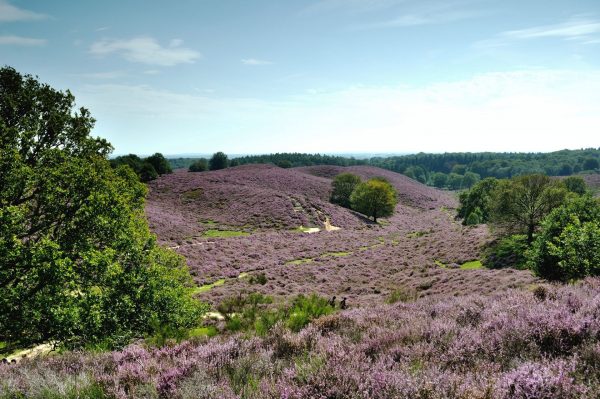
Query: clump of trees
[79, 266]
[374, 198]
[200, 165]
[147, 169]
[551, 226]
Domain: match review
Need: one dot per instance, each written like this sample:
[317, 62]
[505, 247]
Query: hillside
[244, 220]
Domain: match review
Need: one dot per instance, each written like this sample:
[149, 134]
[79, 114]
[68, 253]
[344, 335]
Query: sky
[326, 76]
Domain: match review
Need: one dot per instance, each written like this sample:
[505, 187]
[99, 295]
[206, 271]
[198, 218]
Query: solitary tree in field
[342, 187]
[374, 198]
[520, 204]
[218, 161]
[78, 264]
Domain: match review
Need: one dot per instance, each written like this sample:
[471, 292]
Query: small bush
[402, 295]
[508, 252]
[259, 278]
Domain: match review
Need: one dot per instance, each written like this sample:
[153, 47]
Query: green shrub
[568, 245]
[509, 251]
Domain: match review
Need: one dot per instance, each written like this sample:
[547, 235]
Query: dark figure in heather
[343, 303]
[4, 361]
[332, 302]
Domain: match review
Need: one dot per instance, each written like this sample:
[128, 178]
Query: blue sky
[198, 76]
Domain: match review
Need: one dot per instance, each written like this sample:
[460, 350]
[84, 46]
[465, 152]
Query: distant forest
[449, 170]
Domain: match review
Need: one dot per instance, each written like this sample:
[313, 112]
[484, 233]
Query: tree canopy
[520, 204]
[568, 245]
[200, 165]
[79, 265]
[374, 198]
[218, 161]
[342, 187]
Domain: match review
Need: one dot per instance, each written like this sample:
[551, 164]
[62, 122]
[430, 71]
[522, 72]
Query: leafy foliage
[147, 169]
[374, 198]
[79, 265]
[520, 204]
[568, 245]
[475, 204]
[201, 165]
[342, 187]
[160, 163]
[575, 184]
[218, 161]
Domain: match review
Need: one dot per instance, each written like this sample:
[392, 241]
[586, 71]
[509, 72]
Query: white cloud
[255, 62]
[577, 28]
[582, 30]
[432, 18]
[147, 50]
[11, 13]
[514, 111]
[21, 41]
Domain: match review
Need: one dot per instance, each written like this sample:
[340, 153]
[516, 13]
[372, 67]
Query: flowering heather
[519, 344]
[363, 261]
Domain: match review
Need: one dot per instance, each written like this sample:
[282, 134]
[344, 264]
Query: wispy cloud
[102, 28]
[11, 40]
[103, 75]
[428, 18]
[255, 62]
[573, 29]
[147, 50]
[583, 30]
[11, 13]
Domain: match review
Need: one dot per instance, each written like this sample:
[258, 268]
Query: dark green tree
[200, 165]
[374, 198]
[439, 179]
[342, 187]
[568, 245]
[141, 167]
[520, 204]
[218, 161]
[591, 164]
[78, 264]
[575, 184]
[160, 163]
[475, 204]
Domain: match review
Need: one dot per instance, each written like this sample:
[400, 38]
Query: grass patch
[209, 331]
[440, 263]
[472, 265]
[243, 275]
[208, 287]
[192, 194]
[299, 261]
[402, 295]
[224, 233]
[336, 254]
[416, 234]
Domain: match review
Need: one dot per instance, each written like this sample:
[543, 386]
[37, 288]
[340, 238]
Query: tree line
[454, 171]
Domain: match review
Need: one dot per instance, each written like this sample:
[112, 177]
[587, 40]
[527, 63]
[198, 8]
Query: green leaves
[374, 198]
[79, 265]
